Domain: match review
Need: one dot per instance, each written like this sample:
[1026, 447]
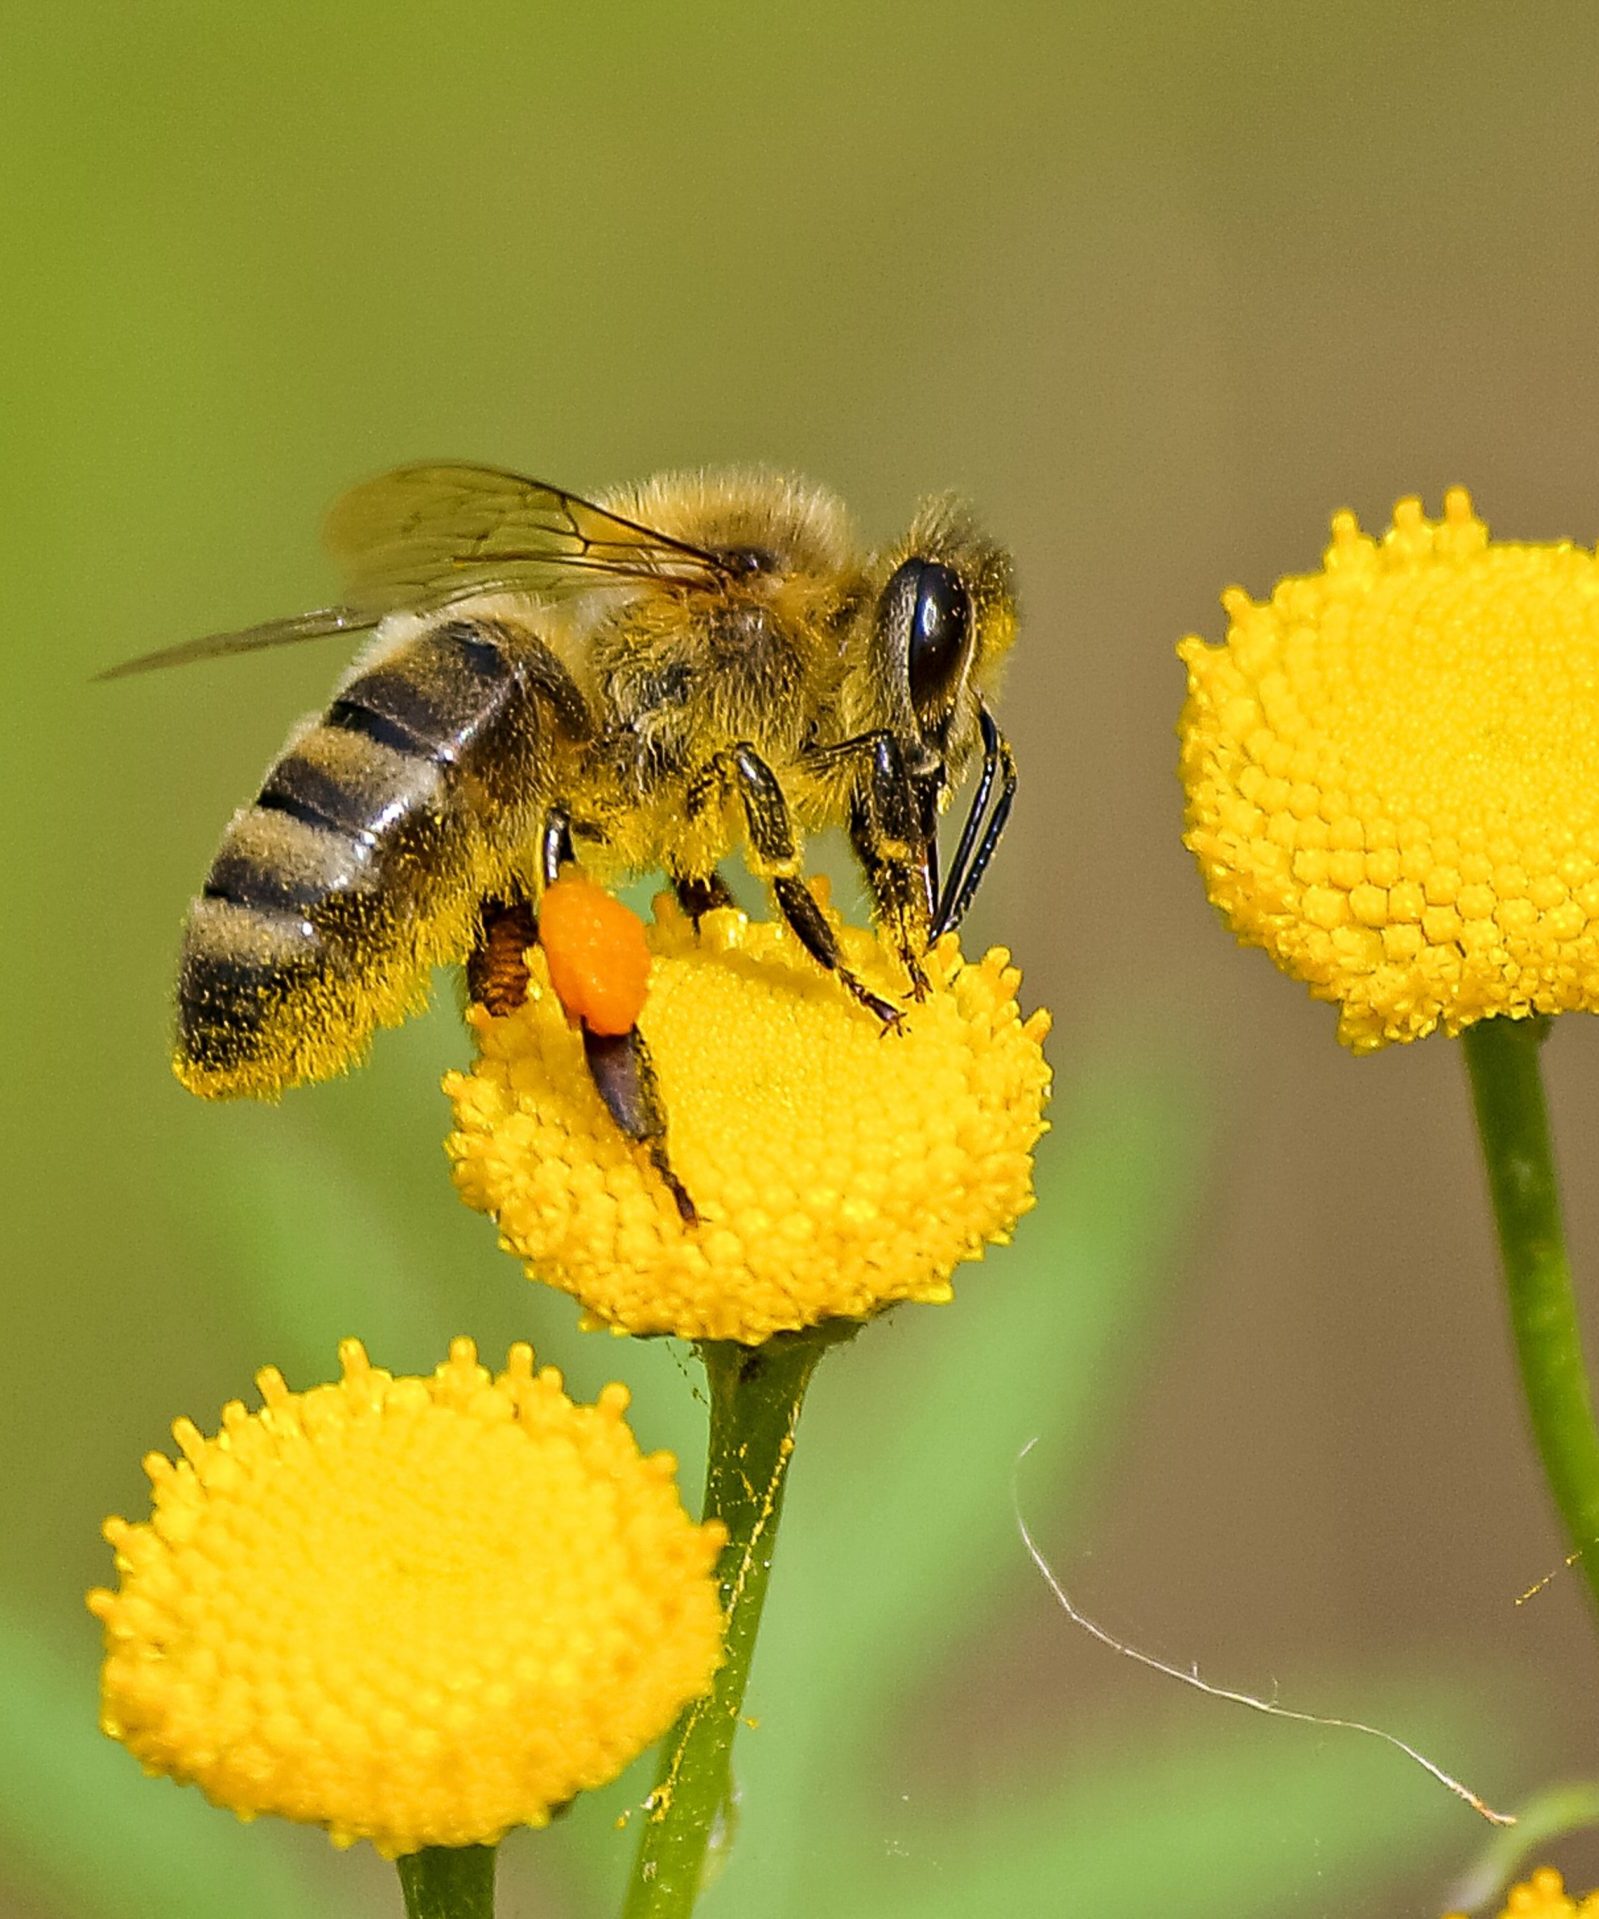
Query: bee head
[946, 616]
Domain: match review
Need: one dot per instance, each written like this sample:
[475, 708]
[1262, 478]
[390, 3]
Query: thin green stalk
[448, 1882]
[1513, 1121]
[756, 1394]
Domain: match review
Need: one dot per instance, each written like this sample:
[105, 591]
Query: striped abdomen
[359, 866]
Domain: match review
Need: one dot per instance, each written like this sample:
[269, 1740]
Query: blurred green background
[1160, 287]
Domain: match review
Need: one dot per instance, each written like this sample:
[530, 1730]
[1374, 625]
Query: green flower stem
[756, 1395]
[1513, 1121]
[448, 1882]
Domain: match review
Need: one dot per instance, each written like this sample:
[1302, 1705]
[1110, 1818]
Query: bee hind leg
[496, 967]
[619, 1064]
[624, 1077]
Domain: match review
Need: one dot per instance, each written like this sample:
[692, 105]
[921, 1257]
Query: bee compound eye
[940, 623]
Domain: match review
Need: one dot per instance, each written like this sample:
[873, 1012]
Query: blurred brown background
[1160, 287]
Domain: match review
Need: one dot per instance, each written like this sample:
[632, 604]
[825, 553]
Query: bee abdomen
[360, 863]
[299, 908]
[459, 696]
[240, 966]
[277, 861]
[338, 818]
[336, 796]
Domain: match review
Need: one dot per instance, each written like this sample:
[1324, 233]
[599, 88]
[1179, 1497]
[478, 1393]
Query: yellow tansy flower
[415, 1611]
[835, 1168]
[1393, 775]
[1544, 1896]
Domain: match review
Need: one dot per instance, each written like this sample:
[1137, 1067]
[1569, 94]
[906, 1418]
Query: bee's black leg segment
[771, 838]
[624, 1077]
[766, 814]
[701, 893]
[927, 792]
[978, 840]
[898, 891]
[894, 830]
[808, 923]
[496, 967]
[556, 844]
[889, 832]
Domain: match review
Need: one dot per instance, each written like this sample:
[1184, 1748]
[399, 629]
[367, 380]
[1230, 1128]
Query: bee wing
[424, 536]
[300, 626]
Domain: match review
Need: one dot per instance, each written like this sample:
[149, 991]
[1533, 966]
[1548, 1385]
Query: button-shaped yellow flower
[1392, 770]
[1544, 1896]
[415, 1611]
[835, 1168]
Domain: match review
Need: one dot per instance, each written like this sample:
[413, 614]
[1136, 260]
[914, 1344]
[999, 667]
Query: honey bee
[696, 664]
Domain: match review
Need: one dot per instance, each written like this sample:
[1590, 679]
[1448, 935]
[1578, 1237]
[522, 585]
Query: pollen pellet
[599, 962]
[1438, 694]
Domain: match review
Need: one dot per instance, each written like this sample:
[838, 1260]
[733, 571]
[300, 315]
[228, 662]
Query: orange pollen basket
[599, 962]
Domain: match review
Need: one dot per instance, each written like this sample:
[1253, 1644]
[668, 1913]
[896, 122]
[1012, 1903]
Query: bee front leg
[893, 827]
[890, 831]
[770, 829]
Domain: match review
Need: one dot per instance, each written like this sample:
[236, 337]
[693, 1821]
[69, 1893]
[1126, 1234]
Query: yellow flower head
[415, 1611]
[835, 1168]
[1393, 775]
[1544, 1896]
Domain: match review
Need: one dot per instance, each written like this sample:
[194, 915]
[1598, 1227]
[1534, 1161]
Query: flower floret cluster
[413, 1610]
[1392, 770]
[835, 1169]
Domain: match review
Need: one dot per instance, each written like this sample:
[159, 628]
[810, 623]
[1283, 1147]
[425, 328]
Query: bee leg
[555, 845]
[808, 923]
[897, 892]
[624, 1077]
[892, 830]
[893, 826]
[771, 838]
[701, 893]
[619, 1063]
[496, 967]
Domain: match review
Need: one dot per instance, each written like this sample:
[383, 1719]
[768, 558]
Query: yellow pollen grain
[1392, 775]
[836, 1168]
[417, 1611]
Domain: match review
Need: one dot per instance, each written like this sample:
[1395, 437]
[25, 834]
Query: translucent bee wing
[300, 626]
[423, 536]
